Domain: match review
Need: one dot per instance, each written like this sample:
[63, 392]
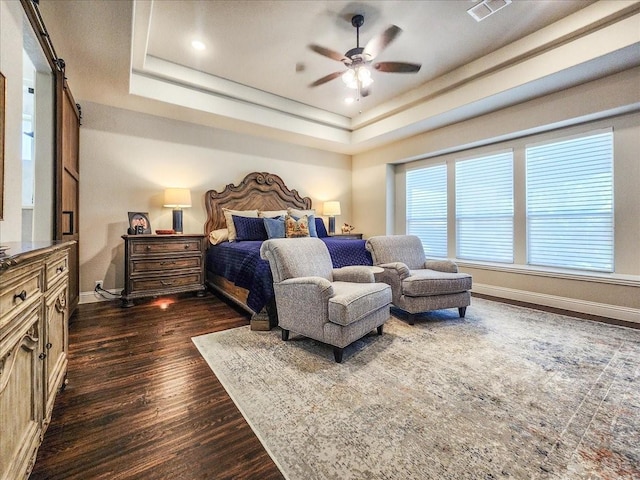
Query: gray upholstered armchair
[418, 284]
[334, 306]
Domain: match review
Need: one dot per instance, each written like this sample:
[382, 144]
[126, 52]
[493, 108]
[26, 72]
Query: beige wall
[128, 158]
[574, 110]
[11, 68]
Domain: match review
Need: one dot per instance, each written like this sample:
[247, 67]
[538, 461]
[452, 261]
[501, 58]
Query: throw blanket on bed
[240, 263]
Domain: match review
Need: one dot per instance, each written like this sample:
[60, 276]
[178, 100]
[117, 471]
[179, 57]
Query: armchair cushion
[354, 301]
[423, 283]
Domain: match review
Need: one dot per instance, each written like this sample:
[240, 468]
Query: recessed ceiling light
[198, 45]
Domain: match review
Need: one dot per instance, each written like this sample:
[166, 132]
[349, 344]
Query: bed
[235, 269]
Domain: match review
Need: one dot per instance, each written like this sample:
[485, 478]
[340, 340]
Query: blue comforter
[240, 263]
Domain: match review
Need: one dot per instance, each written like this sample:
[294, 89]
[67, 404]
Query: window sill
[580, 275]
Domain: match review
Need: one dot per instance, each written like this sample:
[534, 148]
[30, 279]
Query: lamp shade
[177, 197]
[331, 209]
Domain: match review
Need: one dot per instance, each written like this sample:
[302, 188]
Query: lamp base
[332, 225]
[177, 221]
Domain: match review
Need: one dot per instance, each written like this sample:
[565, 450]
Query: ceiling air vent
[486, 8]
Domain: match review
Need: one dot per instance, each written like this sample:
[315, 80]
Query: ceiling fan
[358, 59]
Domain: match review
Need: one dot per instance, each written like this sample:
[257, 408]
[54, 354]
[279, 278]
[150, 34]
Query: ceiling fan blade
[397, 67]
[379, 43]
[326, 79]
[332, 54]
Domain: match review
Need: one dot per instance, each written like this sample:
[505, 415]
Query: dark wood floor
[142, 403]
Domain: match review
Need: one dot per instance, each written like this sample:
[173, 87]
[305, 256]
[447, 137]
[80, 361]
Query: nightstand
[162, 265]
[347, 236]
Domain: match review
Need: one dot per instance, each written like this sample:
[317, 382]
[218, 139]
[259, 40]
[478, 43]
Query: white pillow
[272, 213]
[300, 213]
[219, 236]
[238, 213]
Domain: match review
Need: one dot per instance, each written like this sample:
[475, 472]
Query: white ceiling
[259, 43]
[138, 55]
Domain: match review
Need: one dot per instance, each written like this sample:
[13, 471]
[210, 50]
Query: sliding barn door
[68, 180]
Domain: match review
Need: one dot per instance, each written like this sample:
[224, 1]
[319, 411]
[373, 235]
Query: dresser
[162, 264]
[34, 320]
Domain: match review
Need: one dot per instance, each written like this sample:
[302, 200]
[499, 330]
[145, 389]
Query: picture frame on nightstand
[139, 223]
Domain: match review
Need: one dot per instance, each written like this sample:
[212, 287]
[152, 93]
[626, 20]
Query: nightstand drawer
[166, 283]
[166, 245]
[165, 264]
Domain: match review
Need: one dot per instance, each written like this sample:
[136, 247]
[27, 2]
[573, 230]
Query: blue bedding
[240, 263]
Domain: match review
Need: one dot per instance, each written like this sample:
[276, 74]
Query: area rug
[507, 392]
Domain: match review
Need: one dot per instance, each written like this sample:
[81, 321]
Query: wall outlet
[98, 284]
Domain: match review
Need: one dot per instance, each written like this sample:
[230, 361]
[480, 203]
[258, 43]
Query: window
[570, 203]
[427, 208]
[484, 208]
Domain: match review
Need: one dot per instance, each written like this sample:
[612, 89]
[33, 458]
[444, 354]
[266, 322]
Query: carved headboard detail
[258, 190]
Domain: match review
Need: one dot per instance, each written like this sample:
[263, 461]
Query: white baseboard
[570, 304]
[94, 297]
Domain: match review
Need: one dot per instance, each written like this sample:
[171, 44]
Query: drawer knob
[42, 356]
[186, 247]
[165, 283]
[168, 263]
[49, 345]
[59, 269]
[148, 247]
[22, 295]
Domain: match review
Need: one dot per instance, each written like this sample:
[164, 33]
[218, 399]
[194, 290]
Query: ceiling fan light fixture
[359, 76]
[364, 75]
[349, 78]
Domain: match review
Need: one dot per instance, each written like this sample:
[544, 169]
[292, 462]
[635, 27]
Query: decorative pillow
[219, 236]
[321, 230]
[296, 228]
[272, 213]
[312, 224]
[274, 227]
[239, 213]
[249, 228]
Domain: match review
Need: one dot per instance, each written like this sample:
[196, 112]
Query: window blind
[570, 203]
[484, 208]
[426, 205]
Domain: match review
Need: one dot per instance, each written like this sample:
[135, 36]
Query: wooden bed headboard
[258, 190]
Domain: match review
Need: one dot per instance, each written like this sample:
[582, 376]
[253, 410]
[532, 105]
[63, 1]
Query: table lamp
[177, 198]
[331, 210]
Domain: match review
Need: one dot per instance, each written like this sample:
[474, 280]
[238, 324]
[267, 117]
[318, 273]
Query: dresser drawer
[165, 264]
[166, 283]
[167, 245]
[56, 268]
[18, 294]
